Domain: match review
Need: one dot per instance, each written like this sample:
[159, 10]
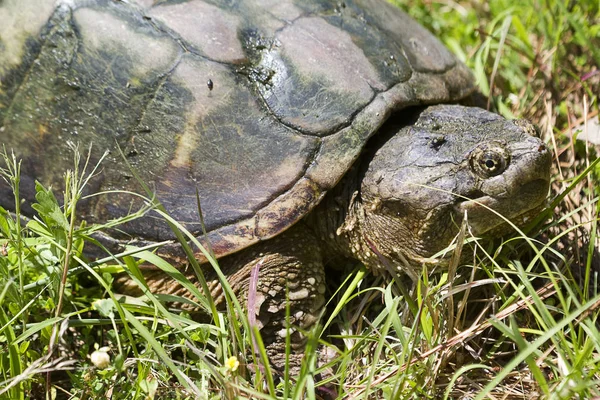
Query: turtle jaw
[486, 213]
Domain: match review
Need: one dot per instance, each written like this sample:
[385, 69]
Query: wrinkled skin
[274, 145]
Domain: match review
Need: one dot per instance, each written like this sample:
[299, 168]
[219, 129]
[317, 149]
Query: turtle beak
[486, 213]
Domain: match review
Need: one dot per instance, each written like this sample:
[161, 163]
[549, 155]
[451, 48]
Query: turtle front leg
[286, 271]
[266, 277]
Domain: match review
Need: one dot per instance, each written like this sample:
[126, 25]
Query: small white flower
[100, 358]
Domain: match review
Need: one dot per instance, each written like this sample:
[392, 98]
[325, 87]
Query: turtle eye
[489, 160]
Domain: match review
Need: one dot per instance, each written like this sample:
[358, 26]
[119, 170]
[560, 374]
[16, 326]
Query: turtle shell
[260, 106]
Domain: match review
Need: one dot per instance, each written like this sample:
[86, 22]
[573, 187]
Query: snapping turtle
[310, 129]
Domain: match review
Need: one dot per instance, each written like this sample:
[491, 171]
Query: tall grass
[516, 321]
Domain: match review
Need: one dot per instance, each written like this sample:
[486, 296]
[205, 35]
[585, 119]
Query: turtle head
[453, 162]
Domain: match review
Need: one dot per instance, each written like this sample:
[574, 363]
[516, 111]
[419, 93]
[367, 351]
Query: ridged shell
[296, 89]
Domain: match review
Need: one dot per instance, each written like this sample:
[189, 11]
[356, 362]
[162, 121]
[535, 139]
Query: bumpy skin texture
[297, 89]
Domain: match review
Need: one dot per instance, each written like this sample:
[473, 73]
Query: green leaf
[48, 207]
[119, 362]
[521, 31]
[38, 228]
[36, 328]
[149, 386]
[105, 307]
[4, 224]
[23, 347]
